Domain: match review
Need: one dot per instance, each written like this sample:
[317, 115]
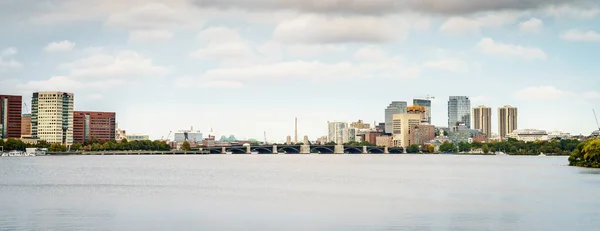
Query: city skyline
[246, 70]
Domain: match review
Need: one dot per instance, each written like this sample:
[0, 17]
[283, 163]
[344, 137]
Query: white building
[559, 135]
[189, 135]
[401, 128]
[52, 117]
[338, 132]
[529, 135]
[137, 137]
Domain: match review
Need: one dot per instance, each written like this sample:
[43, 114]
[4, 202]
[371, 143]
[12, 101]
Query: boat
[542, 154]
[16, 153]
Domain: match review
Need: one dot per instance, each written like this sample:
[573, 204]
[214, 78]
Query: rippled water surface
[297, 192]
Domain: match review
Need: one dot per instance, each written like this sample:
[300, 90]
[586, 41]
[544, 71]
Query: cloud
[316, 29]
[533, 25]
[62, 46]
[64, 83]
[456, 65]
[9, 51]
[567, 11]
[551, 93]
[225, 46]
[389, 6]
[141, 36]
[461, 25]
[154, 16]
[490, 47]
[123, 64]
[9, 63]
[581, 36]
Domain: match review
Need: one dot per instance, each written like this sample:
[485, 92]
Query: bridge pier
[305, 149]
[386, 150]
[223, 150]
[248, 149]
[275, 149]
[338, 149]
[365, 150]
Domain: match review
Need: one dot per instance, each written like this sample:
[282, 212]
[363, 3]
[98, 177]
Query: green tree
[186, 146]
[331, 143]
[76, 147]
[485, 149]
[430, 148]
[464, 147]
[57, 147]
[447, 147]
[413, 148]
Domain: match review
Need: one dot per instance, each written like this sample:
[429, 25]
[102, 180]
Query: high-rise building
[424, 103]
[338, 132]
[52, 117]
[482, 119]
[26, 126]
[396, 107]
[459, 111]
[402, 129]
[507, 120]
[419, 110]
[10, 116]
[138, 137]
[188, 135]
[99, 125]
[360, 125]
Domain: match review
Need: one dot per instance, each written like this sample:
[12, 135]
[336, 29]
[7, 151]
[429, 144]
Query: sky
[245, 67]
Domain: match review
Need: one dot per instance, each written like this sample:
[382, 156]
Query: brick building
[99, 125]
[10, 116]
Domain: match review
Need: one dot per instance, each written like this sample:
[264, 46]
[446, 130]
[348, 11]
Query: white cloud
[551, 93]
[62, 46]
[370, 54]
[533, 25]
[225, 46]
[460, 25]
[567, 11]
[140, 36]
[155, 16]
[581, 36]
[64, 83]
[490, 47]
[315, 29]
[456, 65]
[124, 64]
[9, 51]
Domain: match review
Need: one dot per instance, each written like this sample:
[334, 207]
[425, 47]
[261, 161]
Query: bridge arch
[289, 150]
[237, 151]
[396, 150]
[353, 150]
[321, 150]
[375, 150]
[215, 151]
[262, 150]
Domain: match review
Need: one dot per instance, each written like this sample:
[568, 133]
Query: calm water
[297, 192]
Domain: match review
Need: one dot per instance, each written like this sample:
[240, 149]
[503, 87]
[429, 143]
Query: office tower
[188, 135]
[459, 111]
[26, 126]
[10, 116]
[402, 128]
[99, 125]
[482, 119]
[424, 103]
[507, 120]
[52, 117]
[338, 132]
[418, 110]
[360, 125]
[296, 130]
[396, 107]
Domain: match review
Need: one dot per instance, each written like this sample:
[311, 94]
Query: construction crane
[27, 107]
[596, 117]
[162, 138]
[428, 97]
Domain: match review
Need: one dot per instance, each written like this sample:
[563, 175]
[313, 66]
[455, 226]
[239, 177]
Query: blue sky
[244, 67]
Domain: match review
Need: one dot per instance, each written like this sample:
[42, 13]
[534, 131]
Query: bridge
[302, 149]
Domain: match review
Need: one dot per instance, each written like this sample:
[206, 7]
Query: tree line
[587, 154]
[90, 145]
[515, 147]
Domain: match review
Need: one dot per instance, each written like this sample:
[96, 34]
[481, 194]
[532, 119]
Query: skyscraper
[10, 116]
[99, 125]
[482, 119]
[52, 117]
[507, 120]
[459, 111]
[338, 132]
[396, 107]
[424, 103]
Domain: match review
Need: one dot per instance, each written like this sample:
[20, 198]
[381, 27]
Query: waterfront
[297, 192]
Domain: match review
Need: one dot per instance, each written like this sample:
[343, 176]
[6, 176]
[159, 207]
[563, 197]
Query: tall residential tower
[10, 116]
[482, 119]
[507, 120]
[396, 107]
[459, 111]
[52, 117]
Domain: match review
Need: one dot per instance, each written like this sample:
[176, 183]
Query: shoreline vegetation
[587, 154]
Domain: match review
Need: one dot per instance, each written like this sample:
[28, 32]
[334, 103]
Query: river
[297, 192]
